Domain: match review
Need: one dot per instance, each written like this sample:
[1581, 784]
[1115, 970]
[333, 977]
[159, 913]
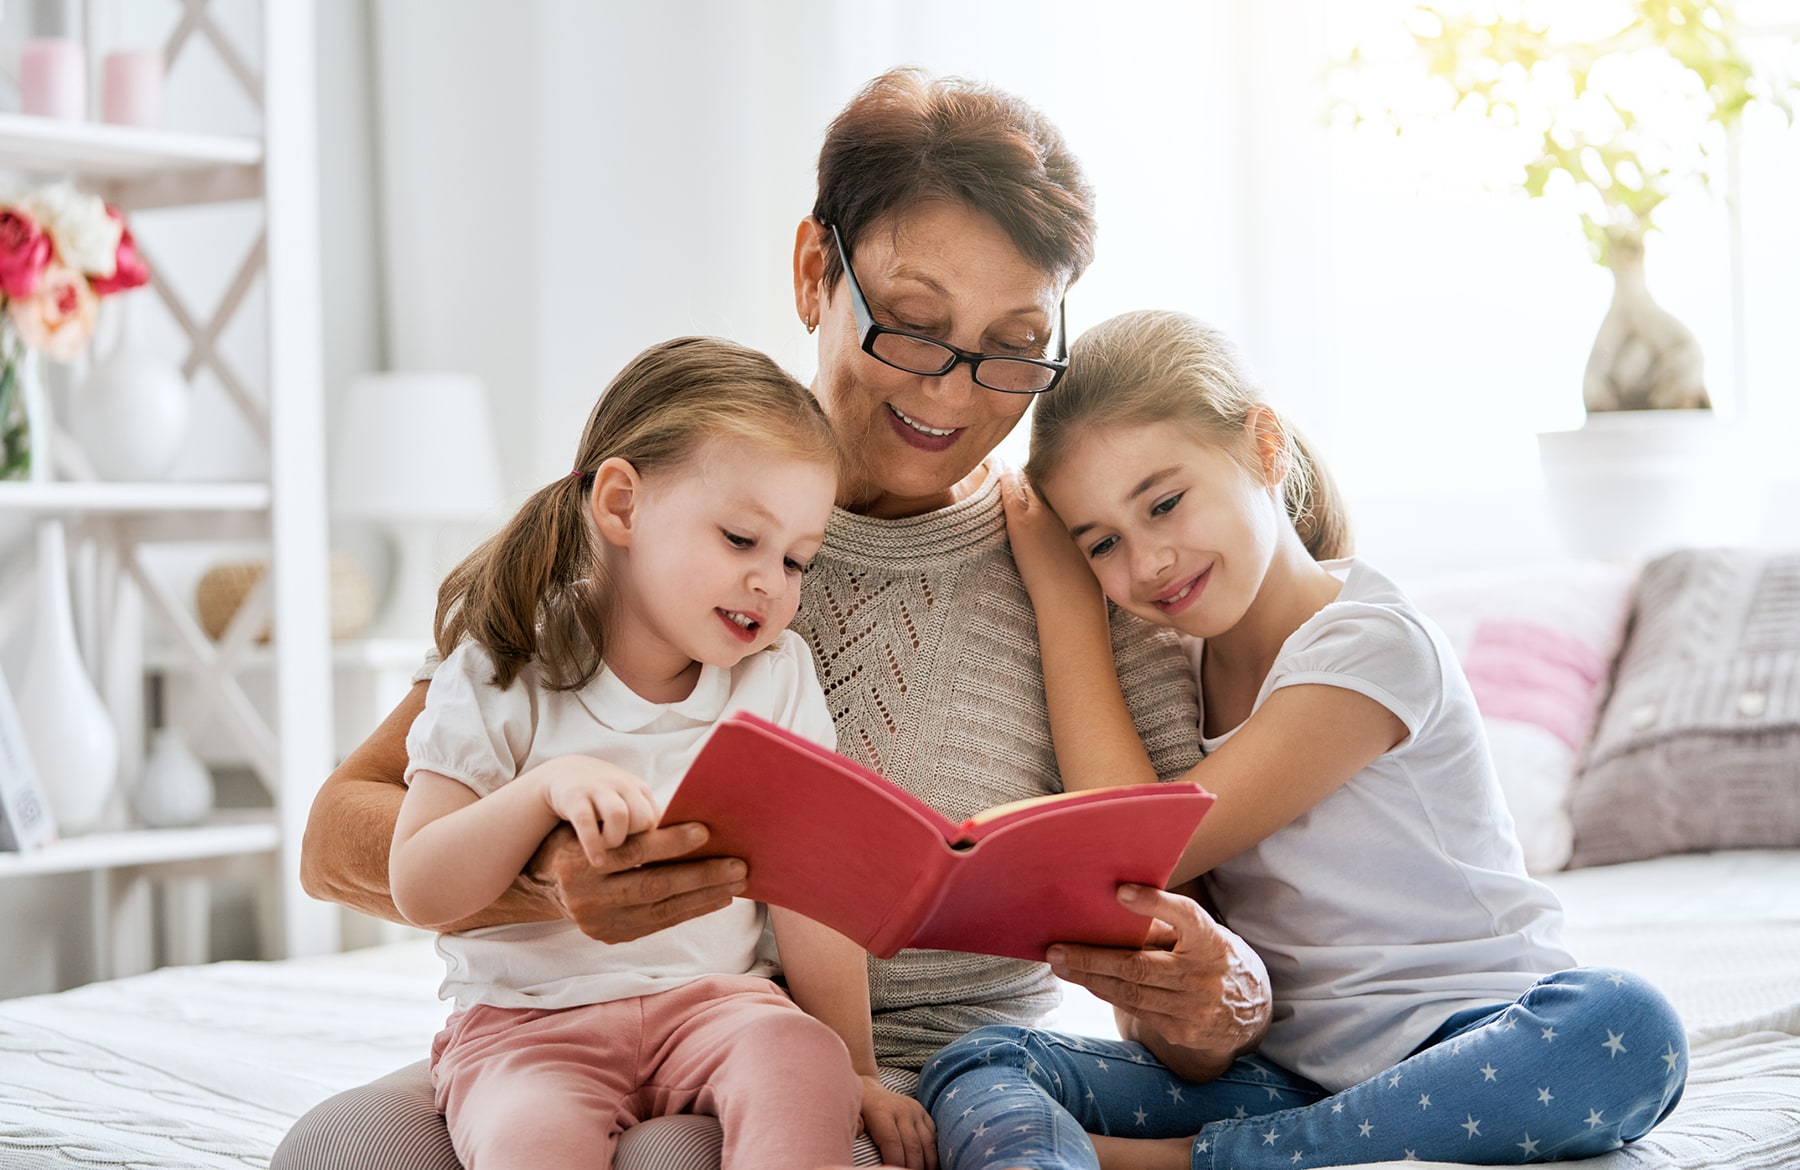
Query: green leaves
[1626, 119]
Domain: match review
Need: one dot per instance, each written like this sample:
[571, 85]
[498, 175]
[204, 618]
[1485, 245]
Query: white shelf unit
[137, 170]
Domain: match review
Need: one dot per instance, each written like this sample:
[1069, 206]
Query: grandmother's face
[950, 273]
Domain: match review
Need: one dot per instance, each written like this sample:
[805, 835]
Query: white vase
[72, 738]
[131, 414]
[1643, 358]
[175, 788]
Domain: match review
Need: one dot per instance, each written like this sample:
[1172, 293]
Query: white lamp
[414, 452]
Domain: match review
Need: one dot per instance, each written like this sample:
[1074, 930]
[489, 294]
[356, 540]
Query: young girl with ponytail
[588, 649]
[1424, 1005]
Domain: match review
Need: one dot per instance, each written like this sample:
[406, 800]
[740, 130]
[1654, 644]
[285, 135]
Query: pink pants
[546, 1089]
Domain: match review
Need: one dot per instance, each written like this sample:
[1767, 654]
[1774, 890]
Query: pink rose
[58, 318]
[24, 253]
[130, 271]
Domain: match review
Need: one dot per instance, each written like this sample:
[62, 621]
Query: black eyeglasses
[934, 359]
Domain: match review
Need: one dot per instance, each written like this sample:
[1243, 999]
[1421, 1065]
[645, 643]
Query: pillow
[1537, 644]
[1699, 744]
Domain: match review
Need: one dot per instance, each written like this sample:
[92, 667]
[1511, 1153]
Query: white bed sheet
[208, 1066]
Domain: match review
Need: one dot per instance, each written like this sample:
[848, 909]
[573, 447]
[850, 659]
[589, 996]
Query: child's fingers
[615, 817]
[587, 831]
[641, 809]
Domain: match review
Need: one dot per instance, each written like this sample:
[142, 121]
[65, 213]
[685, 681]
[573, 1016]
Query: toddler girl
[1424, 1004]
[589, 648]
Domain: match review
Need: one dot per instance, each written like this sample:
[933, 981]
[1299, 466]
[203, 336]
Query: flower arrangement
[61, 251]
[1623, 118]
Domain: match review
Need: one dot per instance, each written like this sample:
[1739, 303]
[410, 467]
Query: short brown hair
[1155, 367]
[534, 590]
[908, 138]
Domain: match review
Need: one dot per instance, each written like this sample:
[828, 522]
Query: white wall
[569, 182]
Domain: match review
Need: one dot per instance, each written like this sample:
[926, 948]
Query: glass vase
[18, 370]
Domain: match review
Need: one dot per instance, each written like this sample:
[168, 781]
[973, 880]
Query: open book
[830, 839]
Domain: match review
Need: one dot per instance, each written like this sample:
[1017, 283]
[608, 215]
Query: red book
[830, 839]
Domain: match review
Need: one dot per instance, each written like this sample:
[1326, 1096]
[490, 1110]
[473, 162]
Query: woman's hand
[639, 888]
[1048, 560]
[899, 1126]
[1196, 995]
[602, 802]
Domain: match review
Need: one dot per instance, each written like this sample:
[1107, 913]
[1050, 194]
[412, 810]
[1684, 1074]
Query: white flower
[85, 237]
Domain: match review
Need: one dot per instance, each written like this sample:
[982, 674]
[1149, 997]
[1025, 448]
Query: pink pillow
[1537, 643]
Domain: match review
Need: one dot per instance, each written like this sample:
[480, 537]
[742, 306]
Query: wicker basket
[224, 587]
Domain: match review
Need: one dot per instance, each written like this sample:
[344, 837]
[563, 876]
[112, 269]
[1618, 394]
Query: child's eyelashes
[739, 541]
[1101, 547]
[1166, 505]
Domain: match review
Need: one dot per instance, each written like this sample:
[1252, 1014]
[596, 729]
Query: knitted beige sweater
[928, 653]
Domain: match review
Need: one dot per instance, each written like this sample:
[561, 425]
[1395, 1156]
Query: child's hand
[603, 803]
[1041, 547]
[899, 1126]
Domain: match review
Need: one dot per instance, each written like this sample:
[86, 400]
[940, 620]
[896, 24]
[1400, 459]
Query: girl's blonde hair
[1153, 367]
[537, 589]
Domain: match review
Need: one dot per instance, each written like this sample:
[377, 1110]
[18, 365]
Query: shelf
[126, 499]
[251, 833]
[134, 167]
[150, 513]
[348, 653]
[60, 145]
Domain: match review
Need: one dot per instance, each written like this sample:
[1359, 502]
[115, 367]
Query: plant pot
[1630, 484]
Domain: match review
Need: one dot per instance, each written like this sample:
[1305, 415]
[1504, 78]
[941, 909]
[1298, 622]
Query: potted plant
[1615, 124]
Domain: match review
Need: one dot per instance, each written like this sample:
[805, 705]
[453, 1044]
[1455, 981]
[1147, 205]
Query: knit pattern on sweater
[928, 653]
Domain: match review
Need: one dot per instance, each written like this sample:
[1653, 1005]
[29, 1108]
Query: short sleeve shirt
[1402, 897]
[483, 736]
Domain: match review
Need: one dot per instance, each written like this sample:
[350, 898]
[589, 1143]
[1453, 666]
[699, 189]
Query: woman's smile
[921, 434]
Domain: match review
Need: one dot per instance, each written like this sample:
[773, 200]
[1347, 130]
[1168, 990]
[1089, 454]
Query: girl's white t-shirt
[1402, 897]
[482, 736]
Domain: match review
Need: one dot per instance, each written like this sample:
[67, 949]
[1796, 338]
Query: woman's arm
[1091, 728]
[828, 977]
[640, 889]
[455, 852]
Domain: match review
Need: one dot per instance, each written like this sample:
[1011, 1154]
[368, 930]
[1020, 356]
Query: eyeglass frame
[870, 330]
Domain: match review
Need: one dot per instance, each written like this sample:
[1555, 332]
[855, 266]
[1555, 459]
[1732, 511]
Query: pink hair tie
[577, 474]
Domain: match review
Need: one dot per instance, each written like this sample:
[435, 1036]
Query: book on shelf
[26, 822]
[831, 839]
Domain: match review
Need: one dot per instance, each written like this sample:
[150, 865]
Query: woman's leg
[1007, 1096]
[1585, 1061]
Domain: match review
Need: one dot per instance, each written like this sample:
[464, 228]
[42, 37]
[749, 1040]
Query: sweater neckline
[975, 522]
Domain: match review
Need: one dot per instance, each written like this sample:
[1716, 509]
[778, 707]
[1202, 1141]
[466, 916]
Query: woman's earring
[812, 323]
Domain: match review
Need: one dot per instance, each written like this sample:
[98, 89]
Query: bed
[1680, 814]
[206, 1067]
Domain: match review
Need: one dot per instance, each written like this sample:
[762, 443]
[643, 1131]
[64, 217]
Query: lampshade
[415, 446]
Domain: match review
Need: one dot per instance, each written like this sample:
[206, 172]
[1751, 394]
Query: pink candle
[53, 78]
[131, 88]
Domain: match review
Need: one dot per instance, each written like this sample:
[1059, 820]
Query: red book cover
[830, 839]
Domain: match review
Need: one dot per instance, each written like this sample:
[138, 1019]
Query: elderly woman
[950, 220]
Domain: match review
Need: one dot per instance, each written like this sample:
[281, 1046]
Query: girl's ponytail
[517, 593]
[538, 590]
[1314, 503]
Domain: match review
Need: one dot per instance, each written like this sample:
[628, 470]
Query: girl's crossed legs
[550, 1089]
[1583, 1062]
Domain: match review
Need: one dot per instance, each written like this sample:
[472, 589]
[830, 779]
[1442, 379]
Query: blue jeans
[1583, 1062]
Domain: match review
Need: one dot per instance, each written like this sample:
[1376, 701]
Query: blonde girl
[588, 648]
[1424, 1004]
